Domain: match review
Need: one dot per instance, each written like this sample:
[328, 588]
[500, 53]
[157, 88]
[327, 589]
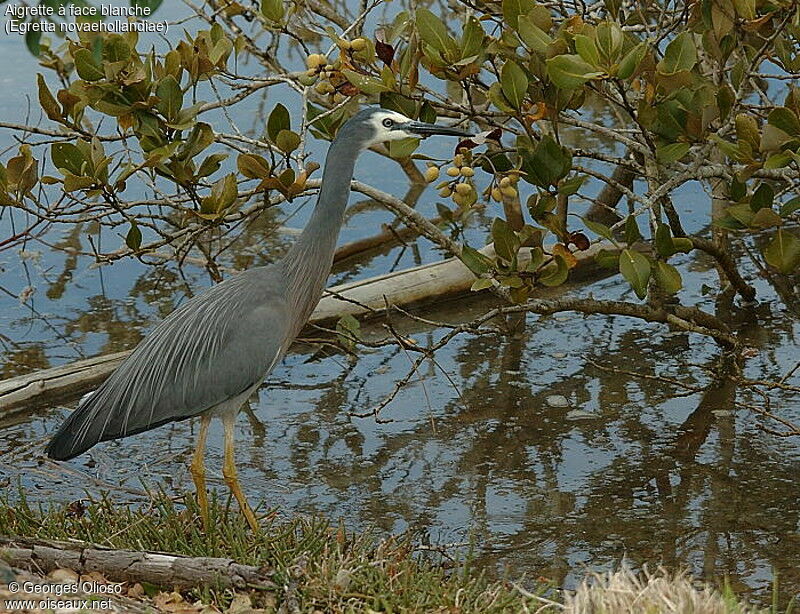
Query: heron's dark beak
[424, 129]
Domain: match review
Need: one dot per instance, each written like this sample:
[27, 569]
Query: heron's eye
[388, 122]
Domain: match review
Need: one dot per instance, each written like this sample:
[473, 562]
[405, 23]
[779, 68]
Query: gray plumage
[213, 351]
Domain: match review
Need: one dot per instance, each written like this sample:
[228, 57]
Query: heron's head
[374, 125]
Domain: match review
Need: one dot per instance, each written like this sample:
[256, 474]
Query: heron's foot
[231, 476]
[236, 490]
[199, 478]
[202, 503]
[198, 471]
[250, 516]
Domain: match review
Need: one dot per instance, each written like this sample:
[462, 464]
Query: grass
[320, 567]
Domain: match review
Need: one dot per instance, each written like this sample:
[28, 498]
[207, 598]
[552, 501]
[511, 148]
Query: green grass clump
[316, 566]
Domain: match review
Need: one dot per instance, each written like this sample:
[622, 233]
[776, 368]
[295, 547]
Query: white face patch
[386, 122]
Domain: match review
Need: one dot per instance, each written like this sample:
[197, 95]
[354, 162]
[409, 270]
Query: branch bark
[44, 556]
[728, 266]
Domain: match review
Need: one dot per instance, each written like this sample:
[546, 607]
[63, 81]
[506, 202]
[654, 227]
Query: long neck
[308, 262]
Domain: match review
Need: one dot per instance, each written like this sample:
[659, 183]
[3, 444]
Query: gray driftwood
[167, 570]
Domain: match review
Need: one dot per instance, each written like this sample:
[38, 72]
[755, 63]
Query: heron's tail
[68, 443]
[96, 419]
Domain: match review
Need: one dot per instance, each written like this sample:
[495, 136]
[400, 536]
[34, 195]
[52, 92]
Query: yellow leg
[229, 471]
[198, 470]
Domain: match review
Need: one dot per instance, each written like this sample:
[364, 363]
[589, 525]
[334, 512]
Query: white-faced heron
[209, 355]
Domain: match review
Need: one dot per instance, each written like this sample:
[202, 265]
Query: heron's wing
[210, 350]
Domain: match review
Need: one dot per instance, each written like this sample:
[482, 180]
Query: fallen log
[366, 298]
[167, 570]
[389, 236]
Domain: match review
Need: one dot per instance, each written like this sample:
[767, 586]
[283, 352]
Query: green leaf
[134, 237]
[32, 40]
[514, 83]
[785, 119]
[668, 277]
[746, 9]
[46, 100]
[609, 40]
[432, 31]
[571, 186]
[737, 190]
[472, 38]
[728, 148]
[790, 206]
[397, 102]
[402, 148]
[116, 49]
[186, 117]
[222, 49]
[201, 136]
[67, 156]
[210, 165]
[481, 283]
[278, 120]
[154, 158]
[682, 244]
[587, 49]
[783, 252]
[667, 154]
[773, 138]
[725, 99]
[599, 229]
[548, 164]
[74, 182]
[287, 141]
[475, 261]
[747, 130]
[629, 64]
[636, 269]
[765, 218]
[569, 72]
[273, 10]
[506, 242]
[253, 166]
[665, 247]
[427, 113]
[513, 9]
[170, 97]
[224, 191]
[778, 160]
[365, 83]
[632, 233]
[87, 68]
[556, 273]
[495, 94]
[741, 212]
[762, 197]
[532, 35]
[680, 55]
[537, 258]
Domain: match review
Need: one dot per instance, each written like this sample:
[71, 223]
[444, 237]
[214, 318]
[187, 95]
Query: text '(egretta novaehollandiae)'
[209, 355]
